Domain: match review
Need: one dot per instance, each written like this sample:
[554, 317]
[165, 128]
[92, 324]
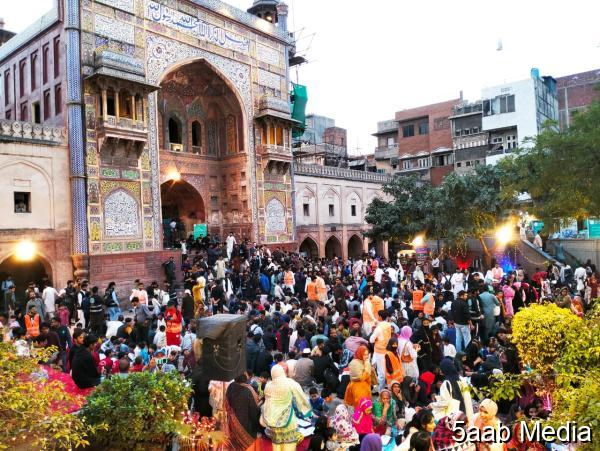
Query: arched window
[174, 131]
[196, 135]
[275, 217]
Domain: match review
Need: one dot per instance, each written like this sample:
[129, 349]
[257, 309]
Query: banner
[200, 230]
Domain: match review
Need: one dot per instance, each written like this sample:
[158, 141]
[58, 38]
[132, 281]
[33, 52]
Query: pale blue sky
[371, 58]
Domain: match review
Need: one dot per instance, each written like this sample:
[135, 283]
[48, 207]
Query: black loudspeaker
[223, 346]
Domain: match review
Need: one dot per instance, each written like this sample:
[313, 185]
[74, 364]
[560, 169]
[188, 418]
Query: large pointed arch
[333, 247]
[355, 246]
[309, 247]
[166, 55]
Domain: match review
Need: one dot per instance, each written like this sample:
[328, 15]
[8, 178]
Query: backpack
[108, 300]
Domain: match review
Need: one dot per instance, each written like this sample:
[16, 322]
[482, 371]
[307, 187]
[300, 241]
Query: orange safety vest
[311, 291]
[416, 300]
[321, 289]
[288, 278]
[397, 373]
[381, 343]
[32, 325]
[429, 306]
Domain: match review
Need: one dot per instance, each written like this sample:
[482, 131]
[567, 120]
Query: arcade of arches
[353, 246]
[202, 138]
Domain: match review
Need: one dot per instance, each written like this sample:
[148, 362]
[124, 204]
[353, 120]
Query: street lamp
[418, 241]
[25, 251]
[504, 235]
[174, 175]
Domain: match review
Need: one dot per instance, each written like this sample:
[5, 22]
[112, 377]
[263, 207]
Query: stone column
[365, 245]
[76, 139]
[116, 107]
[133, 115]
[385, 249]
[104, 105]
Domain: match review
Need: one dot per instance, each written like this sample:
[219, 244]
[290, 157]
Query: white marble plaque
[114, 29]
[121, 216]
[267, 54]
[275, 217]
[269, 79]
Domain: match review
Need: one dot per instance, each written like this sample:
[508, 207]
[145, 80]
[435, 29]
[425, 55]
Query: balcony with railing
[30, 131]
[340, 173]
[386, 152]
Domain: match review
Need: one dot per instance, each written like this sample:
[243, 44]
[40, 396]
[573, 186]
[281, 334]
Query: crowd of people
[364, 354]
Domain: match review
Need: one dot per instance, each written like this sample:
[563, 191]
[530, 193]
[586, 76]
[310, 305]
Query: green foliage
[141, 408]
[463, 206]
[34, 412]
[406, 214]
[542, 334]
[563, 352]
[558, 171]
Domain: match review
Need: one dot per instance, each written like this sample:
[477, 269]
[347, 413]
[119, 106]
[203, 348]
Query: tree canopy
[559, 171]
[468, 205]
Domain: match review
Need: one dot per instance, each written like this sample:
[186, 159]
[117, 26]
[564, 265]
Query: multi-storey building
[173, 110]
[575, 93]
[425, 141]
[331, 204]
[514, 112]
[469, 141]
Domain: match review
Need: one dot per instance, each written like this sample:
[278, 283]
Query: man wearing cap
[304, 370]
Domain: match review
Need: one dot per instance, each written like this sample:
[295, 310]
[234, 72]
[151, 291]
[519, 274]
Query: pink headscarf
[362, 421]
[406, 332]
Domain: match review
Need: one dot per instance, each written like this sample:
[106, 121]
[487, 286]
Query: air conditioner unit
[176, 147]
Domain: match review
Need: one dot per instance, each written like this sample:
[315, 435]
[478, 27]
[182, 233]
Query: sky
[368, 59]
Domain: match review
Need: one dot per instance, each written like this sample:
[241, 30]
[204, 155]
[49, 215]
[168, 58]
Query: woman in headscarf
[371, 442]
[424, 338]
[410, 390]
[384, 414]
[393, 366]
[362, 420]
[283, 397]
[509, 294]
[360, 377]
[396, 389]
[459, 363]
[452, 376]
[445, 431]
[342, 424]
[241, 404]
[486, 418]
[408, 353]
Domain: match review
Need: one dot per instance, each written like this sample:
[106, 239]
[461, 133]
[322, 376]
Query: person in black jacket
[83, 369]
[462, 320]
[187, 307]
[264, 360]
[78, 337]
[325, 372]
[476, 310]
[97, 321]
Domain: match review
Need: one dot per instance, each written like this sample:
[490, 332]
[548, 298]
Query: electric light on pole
[25, 251]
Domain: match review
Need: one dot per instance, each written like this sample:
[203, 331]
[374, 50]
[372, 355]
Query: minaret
[265, 9]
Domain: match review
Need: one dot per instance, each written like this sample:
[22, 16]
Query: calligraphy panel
[275, 217]
[121, 215]
[196, 27]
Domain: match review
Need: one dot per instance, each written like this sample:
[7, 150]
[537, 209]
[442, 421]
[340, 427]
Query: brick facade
[124, 269]
[575, 92]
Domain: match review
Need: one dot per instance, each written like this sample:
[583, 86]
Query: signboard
[422, 252]
[200, 230]
[594, 228]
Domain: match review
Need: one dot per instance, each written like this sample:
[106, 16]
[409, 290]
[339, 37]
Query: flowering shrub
[34, 411]
[139, 409]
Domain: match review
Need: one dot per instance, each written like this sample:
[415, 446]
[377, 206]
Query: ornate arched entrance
[36, 270]
[309, 248]
[183, 203]
[355, 247]
[333, 248]
[201, 123]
